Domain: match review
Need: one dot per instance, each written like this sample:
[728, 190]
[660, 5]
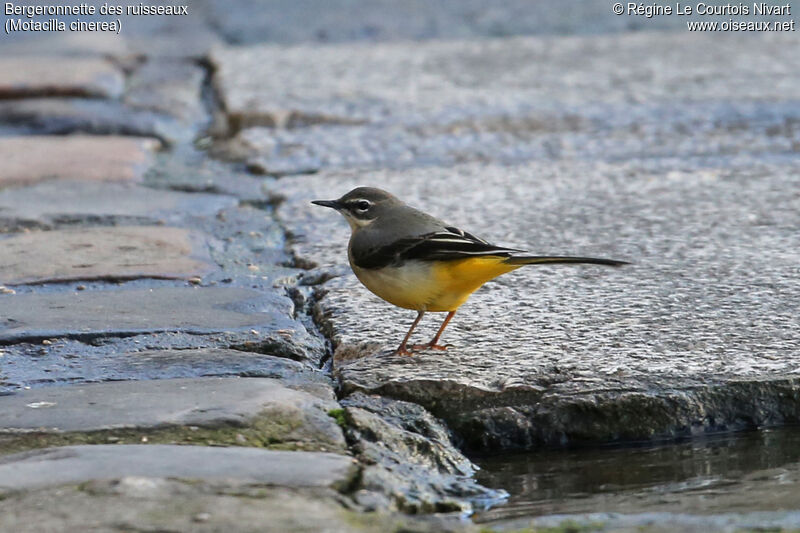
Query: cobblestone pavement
[182, 347]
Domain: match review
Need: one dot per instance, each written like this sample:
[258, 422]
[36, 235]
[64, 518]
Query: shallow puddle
[754, 471]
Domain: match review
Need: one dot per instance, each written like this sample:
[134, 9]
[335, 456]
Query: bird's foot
[402, 350]
[430, 346]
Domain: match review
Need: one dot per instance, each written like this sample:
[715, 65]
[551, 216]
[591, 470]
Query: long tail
[544, 260]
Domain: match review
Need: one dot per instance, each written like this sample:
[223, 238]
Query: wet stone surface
[170, 87]
[35, 158]
[412, 463]
[698, 334]
[163, 364]
[154, 503]
[61, 116]
[67, 44]
[53, 203]
[155, 356]
[33, 76]
[77, 464]
[116, 253]
[249, 412]
[239, 316]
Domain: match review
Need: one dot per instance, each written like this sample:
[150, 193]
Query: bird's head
[361, 206]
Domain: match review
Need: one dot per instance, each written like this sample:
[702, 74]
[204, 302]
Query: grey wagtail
[416, 261]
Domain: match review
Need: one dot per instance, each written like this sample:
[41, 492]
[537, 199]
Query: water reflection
[745, 472]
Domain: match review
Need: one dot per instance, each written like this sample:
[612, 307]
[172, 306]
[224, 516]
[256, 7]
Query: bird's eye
[362, 205]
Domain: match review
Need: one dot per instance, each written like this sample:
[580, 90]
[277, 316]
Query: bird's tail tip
[547, 259]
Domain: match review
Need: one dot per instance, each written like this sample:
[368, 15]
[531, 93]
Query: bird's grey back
[395, 221]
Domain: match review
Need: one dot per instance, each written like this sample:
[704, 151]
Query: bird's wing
[448, 243]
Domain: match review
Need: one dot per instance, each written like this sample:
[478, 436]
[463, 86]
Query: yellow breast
[432, 286]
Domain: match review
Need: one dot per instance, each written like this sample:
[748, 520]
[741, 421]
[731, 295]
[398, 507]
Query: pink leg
[433, 344]
[402, 349]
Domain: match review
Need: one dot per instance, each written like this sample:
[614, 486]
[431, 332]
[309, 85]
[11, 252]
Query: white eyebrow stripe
[440, 239]
[450, 237]
[499, 251]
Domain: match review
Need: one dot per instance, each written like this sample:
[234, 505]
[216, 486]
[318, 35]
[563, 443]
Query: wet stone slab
[164, 364]
[185, 37]
[410, 460]
[79, 464]
[60, 116]
[34, 76]
[699, 334]
[157, 504]
[165, 356]
[114, 253]
[67, 44]
[32, 159]
[261, 320]
[48, 204]
[259, 412]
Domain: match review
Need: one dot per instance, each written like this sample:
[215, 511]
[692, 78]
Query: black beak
[333, 204]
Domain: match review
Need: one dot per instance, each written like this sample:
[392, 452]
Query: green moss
[568, 526]
[571, 527]
[379, 522]
[267, 430]
[338, 415]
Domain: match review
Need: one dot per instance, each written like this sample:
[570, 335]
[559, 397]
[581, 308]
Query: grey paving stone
[440, 81]
[264, 410]
[250, 21]
[698, 334]
[169, 87]
[290, 354]
[59, 116]
[67, 44]
[79, 464]
[140, 358]
[164, 364]
[53, 203]
[109, 313]
[188, 36]
[34, 76]
[157, 504]
[507, 100]
[708, 129]
[31, 159]
[174, 37]
[115, 253]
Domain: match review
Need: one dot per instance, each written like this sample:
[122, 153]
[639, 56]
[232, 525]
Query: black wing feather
[450, 244]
